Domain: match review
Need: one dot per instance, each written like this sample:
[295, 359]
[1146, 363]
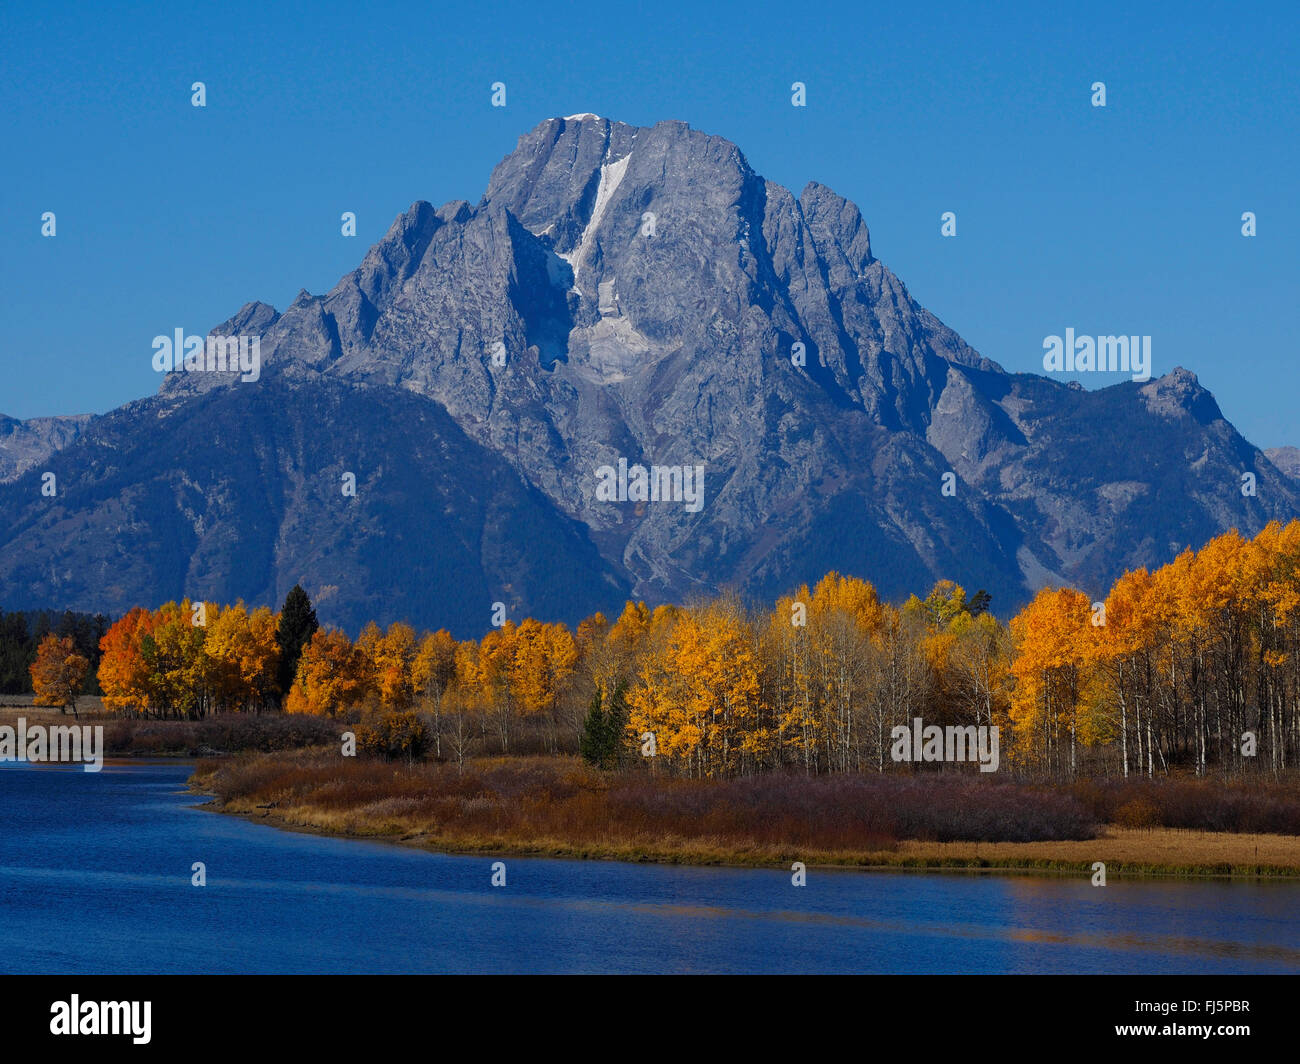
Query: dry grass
[1124, 850]
[224, 734]
[558, 807]
[14, 706]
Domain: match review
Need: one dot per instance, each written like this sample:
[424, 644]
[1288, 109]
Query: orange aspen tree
[57, 673]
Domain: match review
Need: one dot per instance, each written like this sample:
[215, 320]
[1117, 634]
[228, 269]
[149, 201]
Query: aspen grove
[1191, 669]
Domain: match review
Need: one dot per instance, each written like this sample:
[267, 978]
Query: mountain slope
[239, 494]
[25, 444]
[647, 290]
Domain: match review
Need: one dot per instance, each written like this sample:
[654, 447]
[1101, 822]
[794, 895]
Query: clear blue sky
[1122, 220]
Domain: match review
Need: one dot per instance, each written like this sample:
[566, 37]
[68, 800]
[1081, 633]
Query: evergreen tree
[297, 625]
[616, 723]
[22, 632]
[591, 745]
[601, 743]
[17, 652]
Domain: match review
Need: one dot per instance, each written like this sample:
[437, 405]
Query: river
[96, 870]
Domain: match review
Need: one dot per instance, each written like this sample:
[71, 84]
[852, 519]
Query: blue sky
[1117, 220]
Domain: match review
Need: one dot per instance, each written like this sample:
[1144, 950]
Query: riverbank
[556, 807]
[218, 736]
[1124, 851]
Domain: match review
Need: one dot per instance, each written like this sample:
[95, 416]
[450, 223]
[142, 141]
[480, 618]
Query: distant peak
[1179, 393]
[1178, 381]
[582, 117]
[255, 317]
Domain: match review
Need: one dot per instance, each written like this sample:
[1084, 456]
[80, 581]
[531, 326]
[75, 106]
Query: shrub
[394, 736]
[1138, 813]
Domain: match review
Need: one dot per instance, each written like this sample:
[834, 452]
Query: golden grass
[1127, 850]
[14, 706]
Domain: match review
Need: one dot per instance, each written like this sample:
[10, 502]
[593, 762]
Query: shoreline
[1053, 859]
[1128, 853]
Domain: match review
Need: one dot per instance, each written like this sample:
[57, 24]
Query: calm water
[95, 877]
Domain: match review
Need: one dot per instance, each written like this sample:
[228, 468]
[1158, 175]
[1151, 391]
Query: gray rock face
[636, 294]
[1287, 459]
[25, 444]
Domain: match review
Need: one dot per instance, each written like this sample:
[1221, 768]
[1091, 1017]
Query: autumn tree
[179, 672]
[433, 672]
[786, 651]
[1053, 635]
[495, 679]
[699, 694]
[392, 657]
[244, 655]
[123, 671]
[333, 676]
[980, 659]
[900, 677]
[1276, 716]
[626, 640]
[542, 662]
[1127, 660]
[57, 673]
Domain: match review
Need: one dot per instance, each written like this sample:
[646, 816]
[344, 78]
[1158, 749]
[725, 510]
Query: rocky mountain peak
[621, 296]
[1179, 394]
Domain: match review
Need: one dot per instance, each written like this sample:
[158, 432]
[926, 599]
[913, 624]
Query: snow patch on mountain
[611, 175]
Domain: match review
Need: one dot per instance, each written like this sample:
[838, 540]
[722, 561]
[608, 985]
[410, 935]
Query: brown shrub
[1137, 813]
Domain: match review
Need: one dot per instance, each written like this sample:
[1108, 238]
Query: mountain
[235, 493]
[25, 444]
[1287, 459]
[634, 294]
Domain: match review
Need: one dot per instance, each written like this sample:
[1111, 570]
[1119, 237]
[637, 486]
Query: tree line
[1195, 665]
[1192, 668]
[23, 631]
